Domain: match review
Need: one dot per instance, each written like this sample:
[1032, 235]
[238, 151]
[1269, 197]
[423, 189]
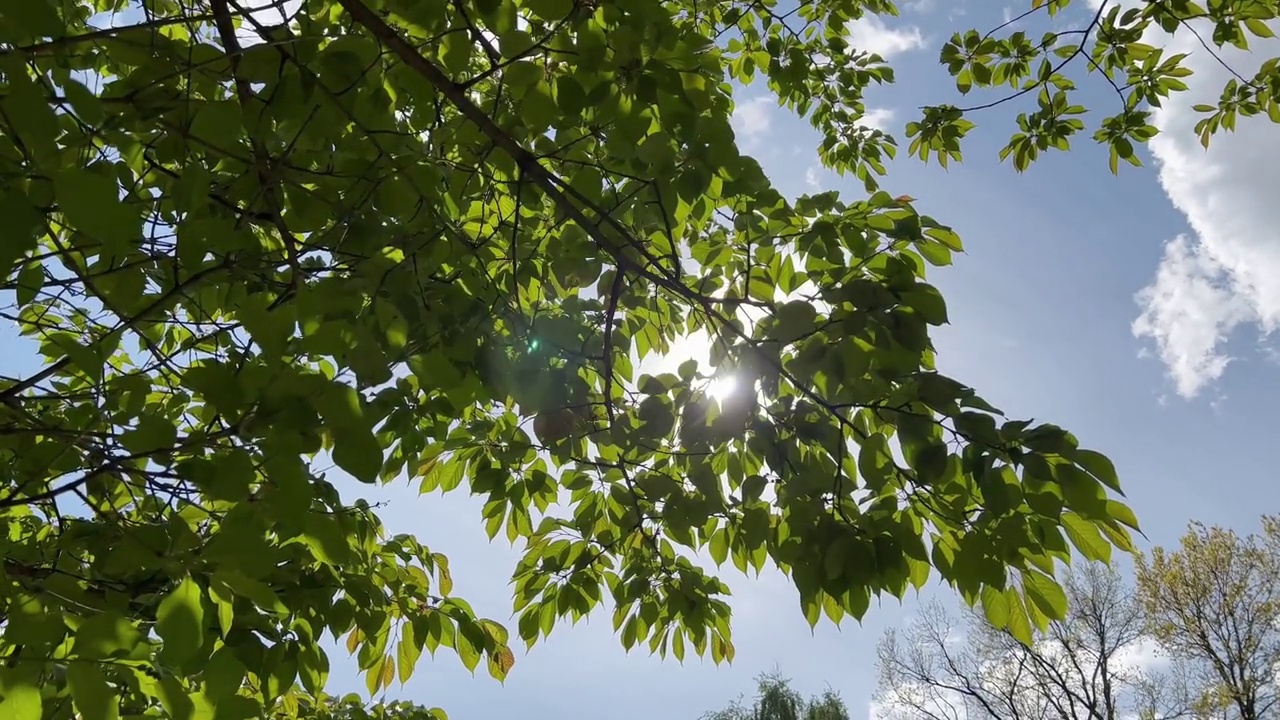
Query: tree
[776, 700]
[1080, 668]
[1215, 601]
[437, 241]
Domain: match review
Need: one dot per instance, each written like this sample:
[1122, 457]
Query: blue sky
[1061, 262]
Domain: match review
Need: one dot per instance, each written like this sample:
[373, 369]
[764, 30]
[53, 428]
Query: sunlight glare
[721, 388]
[695, 346]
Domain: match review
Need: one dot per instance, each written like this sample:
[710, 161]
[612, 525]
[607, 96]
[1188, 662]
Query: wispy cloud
[918, 6]
[752, 117]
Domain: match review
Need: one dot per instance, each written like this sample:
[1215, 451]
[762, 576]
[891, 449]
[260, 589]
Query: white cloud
[870, 34]
[1224, 275]
[1188, 312]
[752, 118]
[811, 178]
[877, 118]
[1144, 655]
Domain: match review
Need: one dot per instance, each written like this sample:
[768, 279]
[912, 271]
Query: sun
[722, 387]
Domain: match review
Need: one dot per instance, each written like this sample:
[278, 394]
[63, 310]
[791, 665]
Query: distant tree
[776, 700]
[1215, 601]
[945, 668]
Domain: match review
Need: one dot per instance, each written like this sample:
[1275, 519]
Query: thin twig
[266, 174]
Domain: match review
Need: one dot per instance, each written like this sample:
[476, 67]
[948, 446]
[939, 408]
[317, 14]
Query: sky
[1135, 310]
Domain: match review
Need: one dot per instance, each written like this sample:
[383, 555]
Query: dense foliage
[435, 241]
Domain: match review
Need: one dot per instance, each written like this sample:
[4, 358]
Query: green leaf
[38, 18]
[20, 694]
[1122, 513]
[182, 704]
[28, 113]
[223, 675]
[719, 546]
[91, 202]
[107, 635]
[151, 434]
[1099, 466]
[1045, 593]
[92, 696]
[355, 449]
[30, 282]
[180, 621]
[467, 652]
[22, 229]
[224, 601]
[325, 537]
[407, 652]
[455, 51]
[261, 594]
[1086, 537]
[282, 669]
[995, 607]
[313, 668]
[218, 123]
[796, 319]
[500, 663]
[1019, 624]
[1259, 28]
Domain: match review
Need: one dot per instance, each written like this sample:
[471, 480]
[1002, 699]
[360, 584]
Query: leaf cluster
[1121, 45]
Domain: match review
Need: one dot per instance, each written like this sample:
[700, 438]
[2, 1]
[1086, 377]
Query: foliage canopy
[437, 241]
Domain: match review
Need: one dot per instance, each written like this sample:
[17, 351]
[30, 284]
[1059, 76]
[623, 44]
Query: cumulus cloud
[1223, 275]
[1144, 655]
[877, 118]
[1188, 312]
[870, 34]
